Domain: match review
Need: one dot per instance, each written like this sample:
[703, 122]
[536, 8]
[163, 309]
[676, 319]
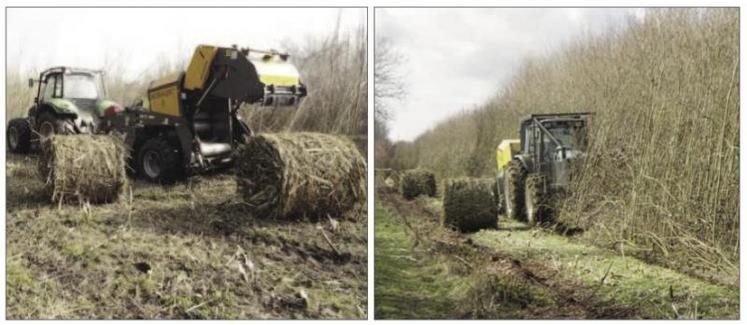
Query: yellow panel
[165, 100]
[279, 80]
[273, 70]
[505, 152]
[199, 67]
[164, 81]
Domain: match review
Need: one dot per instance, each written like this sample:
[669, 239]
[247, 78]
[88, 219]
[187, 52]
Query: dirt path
[184, 251]
[422, 290]
[552, 276]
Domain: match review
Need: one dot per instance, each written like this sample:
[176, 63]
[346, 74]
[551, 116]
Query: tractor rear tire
[50, 125]
[19, 136]
[513, 189]
[535, 199]
[159, 161]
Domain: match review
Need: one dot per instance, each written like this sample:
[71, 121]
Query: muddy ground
[424, 271]
[186, 251]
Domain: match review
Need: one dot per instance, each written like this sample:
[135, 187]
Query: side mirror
[31, 82]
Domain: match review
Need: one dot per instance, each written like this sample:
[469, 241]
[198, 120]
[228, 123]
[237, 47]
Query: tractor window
[52, 88]
[548, 146]
[570, 135]
[81, 86]
[529, 139]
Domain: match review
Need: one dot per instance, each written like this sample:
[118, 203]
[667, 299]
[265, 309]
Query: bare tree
[388, 87]
[388, 82]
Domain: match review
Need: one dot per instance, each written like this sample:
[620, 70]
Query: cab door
[51, 88]
[547, 155]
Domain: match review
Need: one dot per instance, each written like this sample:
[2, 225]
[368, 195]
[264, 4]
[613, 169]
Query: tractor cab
[550, 142]
[70, 94]
[68, 101]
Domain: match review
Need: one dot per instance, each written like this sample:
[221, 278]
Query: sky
[458, 58]
[38, 38]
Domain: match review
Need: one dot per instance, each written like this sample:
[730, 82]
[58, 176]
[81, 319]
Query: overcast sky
[43, 37]
[458, 58]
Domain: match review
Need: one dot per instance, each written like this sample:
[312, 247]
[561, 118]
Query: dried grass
[387, 180]
[301, 175]
[469, 204]
[83, 168]
[334, 68]
[418, 182]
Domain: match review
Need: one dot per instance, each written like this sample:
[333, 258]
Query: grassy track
[406, 288]
[185, 251]
[425, 272]
[548, 275]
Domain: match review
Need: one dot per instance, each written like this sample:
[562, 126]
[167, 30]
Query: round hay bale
[83, 168]
[416, 182]
[469, 204]
[395, 178]
[386, 180]
[300, 174]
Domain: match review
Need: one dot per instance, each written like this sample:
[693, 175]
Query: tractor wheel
[49, 125]
[19, 136]
[534, 199]
[160, 162]
[513, 189]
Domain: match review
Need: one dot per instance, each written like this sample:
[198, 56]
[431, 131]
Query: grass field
[425, 271]
[185, 251]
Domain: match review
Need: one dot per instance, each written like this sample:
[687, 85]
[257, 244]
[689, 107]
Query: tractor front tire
[19, 136]
[513, 189]
[50, 125]
[158, 161]
[535, 199]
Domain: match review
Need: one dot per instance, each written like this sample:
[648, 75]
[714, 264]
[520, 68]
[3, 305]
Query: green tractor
[537, 168]
[68, 101]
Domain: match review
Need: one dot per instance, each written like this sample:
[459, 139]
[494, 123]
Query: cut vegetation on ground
[184, 251]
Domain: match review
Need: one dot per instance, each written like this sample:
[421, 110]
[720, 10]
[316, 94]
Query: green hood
[68, 106]
[63, 106]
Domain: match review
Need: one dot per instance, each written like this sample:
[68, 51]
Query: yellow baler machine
[194, 113]
[505, 152]
[243, 75]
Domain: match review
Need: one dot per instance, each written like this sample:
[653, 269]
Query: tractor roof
[556, 117]
[63, 69]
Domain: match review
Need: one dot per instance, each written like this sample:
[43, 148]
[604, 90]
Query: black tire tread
[60, 123]
[533, 194]
[24, 135]
[514, 189]
[172, 169]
